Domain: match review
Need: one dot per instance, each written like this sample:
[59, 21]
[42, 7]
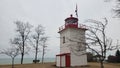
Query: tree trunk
[22, 55]
[36, 51]
[21, 58]
[43, 55]
[12, 62]
[101, 63]
[36, 56]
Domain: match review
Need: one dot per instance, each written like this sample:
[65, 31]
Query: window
[64, 39]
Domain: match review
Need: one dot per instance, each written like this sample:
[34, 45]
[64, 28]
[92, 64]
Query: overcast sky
[51, 14]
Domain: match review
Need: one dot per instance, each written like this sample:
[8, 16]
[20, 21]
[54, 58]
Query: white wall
[78, 47]
[78, 60]
[64, 47]
[62, 61]
[76, 35]
[58, 61]
[71, 34]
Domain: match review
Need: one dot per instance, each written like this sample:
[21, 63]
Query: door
[67, 60]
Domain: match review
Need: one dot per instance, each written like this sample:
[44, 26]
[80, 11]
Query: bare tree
[11, 52]
[116, 8]
[97, 39]
[18, 43]
[36, 40]
[23, 30]
[44, 45]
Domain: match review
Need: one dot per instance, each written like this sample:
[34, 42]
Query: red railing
[62, 28]
[72, 25]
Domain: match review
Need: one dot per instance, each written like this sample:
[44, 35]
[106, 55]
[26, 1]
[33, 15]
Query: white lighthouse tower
[72, 44]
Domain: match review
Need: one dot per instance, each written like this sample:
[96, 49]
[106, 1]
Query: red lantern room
[71, 22]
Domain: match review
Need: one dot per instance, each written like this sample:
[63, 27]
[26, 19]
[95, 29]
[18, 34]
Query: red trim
[73, 25]
[71, 18]
[67, 59]
[63, 54]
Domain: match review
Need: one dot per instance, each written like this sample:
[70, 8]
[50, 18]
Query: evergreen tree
[117, 53]
[118, 56]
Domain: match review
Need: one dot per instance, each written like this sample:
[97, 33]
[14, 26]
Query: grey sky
[51, 14]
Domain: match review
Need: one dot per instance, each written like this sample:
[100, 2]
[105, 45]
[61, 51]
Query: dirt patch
[52, 65]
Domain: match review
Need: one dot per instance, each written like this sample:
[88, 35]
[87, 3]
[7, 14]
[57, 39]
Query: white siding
[78, 60]
[58, 61]
[73, 34]
[62, 61]
[64, 47]
[76, 35]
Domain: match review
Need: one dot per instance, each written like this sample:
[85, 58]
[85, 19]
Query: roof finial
[76, 11]
[71, 15]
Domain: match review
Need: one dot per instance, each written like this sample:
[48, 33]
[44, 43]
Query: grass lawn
[107, 65]
[52, 65]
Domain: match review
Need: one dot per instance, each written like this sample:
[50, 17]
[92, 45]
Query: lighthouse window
[64, 39]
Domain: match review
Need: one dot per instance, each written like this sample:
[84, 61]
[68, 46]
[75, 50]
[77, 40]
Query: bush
[36, 61]
[89, 57]
[112, 59]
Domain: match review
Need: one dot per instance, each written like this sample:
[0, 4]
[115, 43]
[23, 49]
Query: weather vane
[76, 11]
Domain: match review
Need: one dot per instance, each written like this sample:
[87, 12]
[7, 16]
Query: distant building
[72, 44]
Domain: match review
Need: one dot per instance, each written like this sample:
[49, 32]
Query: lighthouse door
[67, 60]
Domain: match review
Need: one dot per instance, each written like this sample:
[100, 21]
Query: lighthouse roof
[71, 17]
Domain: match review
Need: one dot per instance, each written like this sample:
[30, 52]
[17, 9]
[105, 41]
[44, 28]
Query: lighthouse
[72, 44]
